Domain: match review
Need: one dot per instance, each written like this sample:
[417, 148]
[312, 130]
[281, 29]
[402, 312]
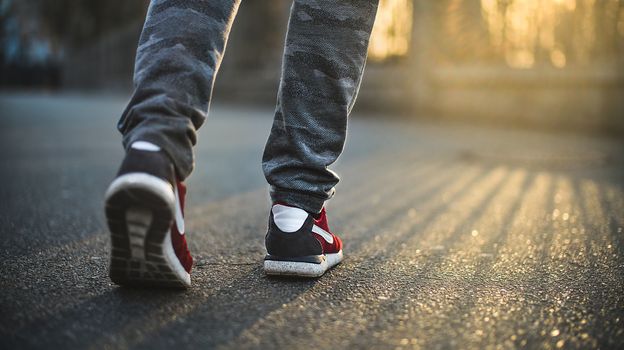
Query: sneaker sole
[302, 269]
[140, 212]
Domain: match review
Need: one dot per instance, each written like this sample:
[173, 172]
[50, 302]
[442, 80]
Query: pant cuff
[310, 203]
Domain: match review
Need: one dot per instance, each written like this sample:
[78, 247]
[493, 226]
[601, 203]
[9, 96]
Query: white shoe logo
[179, 218]
[326, 235]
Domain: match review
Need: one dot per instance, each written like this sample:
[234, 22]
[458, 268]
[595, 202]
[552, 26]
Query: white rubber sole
[140, 209]
[143, 181]
[302, 269]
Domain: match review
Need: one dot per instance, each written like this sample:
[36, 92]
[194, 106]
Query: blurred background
[550, 64]
[481, 205]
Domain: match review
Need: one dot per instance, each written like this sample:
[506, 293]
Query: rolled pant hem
[306, 201]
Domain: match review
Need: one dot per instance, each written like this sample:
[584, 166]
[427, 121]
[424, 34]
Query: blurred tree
[529, 33]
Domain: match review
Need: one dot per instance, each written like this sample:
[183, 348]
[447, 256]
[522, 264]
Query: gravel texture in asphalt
[456, 236]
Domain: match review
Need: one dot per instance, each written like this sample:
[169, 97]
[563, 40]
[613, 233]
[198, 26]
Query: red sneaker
[308, 252]
[145, 214]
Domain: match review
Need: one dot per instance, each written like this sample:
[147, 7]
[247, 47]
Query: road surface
[457, 236]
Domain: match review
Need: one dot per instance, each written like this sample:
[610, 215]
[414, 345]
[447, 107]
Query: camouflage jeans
[178, 57]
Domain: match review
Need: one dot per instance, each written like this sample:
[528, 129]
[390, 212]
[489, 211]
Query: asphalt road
[456, 236]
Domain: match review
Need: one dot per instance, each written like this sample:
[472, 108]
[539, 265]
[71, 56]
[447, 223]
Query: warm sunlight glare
[392, 31]
[523, 33]
[521, 29]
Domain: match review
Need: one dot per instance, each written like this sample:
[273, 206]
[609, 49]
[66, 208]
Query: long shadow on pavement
[366, 278]
[127, 317]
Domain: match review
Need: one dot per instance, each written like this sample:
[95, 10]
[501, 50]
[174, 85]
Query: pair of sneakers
[145, 215]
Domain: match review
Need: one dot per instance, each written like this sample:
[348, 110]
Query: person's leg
[179, 53]
[324, 58]
[177, 59]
